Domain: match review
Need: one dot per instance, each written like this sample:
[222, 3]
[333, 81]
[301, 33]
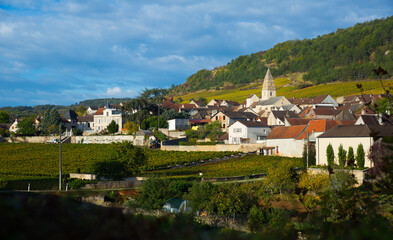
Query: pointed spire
[268, 88]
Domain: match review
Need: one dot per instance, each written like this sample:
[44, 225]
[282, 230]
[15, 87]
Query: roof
[324, 111]
[284, 114]
[240, 115]
[358, 131]
[251, 124]
[370, 120]
[174, 202]
[94, 108]
[298, 121]
[70, 114]
[86, 118]
[233, 103]
[281, 132]
[100, 111]
[269, 101]
[318, 125]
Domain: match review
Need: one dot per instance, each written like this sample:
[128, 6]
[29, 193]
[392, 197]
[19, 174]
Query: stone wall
[137, 140]
[215, 148]
[359, 174]
[34, 139]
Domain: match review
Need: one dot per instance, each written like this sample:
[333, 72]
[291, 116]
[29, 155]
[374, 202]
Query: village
[270, 125]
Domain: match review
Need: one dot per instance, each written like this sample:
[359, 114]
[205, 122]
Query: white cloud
[113, 91]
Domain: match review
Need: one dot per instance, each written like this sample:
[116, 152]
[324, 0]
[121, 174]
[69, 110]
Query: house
[214, 102]
[229, 103]
[72, 118]
[103, 117]
[86, 123]
[322, 100]
[276, 118]
[289, 107]
[91, 110]
[226, 118]
[285, 140]
[176, 205]
[178, 124]
[250, 100]
[296, 121]
[247, 132]
[269, 104]
[322, 113]
[350, 136]
[198, 104]
[13, 128]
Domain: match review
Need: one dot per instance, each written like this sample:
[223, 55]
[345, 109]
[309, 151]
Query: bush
[314, 182]
[342, 156]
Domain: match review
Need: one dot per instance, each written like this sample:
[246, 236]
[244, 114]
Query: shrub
[350, 157]
[314, 182]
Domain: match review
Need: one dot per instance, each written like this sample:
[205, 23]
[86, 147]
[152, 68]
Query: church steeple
[268, 89]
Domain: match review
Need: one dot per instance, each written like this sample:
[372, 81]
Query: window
[260, 137]
[223, 125]
[237, 130]
[216, 117]
[107, 121]
[99, 128]
[223, 117]
[99, 121]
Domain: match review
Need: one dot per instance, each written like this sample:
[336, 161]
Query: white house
[286, 141]
[276, 118]
[251, 99]
[247, 132]
[102, 120]
[177, 124]
[350, 136]
[273, 102]
[13, 127]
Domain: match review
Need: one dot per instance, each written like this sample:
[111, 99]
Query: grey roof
[284, 114]
[175, 202]
[253, 124]
[269, 101]
[370, 120]
[70, 114]
[358, 131]
[86, 118]
[240, 115]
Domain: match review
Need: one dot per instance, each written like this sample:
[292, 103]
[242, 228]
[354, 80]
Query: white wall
[288, 147]
[322, 144]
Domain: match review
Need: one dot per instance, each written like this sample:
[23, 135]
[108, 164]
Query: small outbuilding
[176, 205]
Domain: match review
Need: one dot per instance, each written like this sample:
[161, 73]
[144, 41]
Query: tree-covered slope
[344, 55]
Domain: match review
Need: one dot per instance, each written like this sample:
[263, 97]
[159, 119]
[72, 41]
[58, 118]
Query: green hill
[345, 55]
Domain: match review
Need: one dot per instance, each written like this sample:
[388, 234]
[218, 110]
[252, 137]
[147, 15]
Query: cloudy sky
[65, 51]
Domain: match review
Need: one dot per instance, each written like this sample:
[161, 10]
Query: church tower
[268, 89]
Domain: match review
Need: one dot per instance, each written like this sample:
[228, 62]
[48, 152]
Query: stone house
[247, 132]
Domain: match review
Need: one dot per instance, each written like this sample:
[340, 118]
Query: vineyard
[27, 161]
[246, 165]
[335, 89]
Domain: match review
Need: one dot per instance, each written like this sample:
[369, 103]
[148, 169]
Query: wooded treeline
[344, 55]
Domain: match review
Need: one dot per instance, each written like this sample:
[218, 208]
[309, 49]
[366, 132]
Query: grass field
[284, 88]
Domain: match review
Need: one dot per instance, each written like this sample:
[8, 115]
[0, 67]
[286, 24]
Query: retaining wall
[215, 148]
[359, 174]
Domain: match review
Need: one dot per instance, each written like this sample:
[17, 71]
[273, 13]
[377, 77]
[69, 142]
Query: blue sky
[65, 51]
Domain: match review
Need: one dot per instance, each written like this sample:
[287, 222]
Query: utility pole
[307, 148]
[60, 157]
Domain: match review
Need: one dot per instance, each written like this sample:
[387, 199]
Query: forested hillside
[344, 55]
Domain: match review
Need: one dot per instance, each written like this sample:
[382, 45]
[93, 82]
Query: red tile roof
[298, 121]
[282, 132]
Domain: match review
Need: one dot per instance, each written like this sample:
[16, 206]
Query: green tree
[26, 127]
[279, 176]
[155, 192]
[131, 127]
[350, 157]
[50, 121]
[113, 127]
[200, 195]
[342, 156]
[360, 156]
[4, 117]
[81, 110]
[330, 155]
[133, 157]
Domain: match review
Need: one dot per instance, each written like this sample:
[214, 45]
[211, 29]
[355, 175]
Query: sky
[66, 51]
